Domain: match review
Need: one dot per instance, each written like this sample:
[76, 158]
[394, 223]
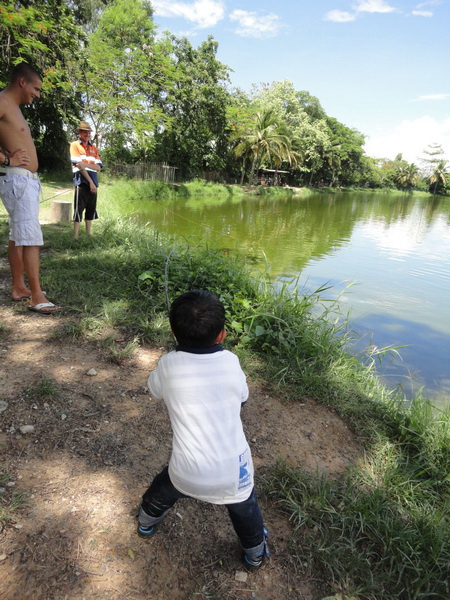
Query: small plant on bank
[44, 389]
[9, 502]
[75, 330]
[3, 331]
[120, 352]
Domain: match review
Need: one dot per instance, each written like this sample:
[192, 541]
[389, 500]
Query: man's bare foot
[38, 299]
[45, 308]
[18, 294]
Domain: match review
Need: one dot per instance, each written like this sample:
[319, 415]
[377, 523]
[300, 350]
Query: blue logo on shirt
[243, 471]
[244, 475]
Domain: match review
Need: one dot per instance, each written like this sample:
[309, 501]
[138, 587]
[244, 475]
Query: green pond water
[393, 249]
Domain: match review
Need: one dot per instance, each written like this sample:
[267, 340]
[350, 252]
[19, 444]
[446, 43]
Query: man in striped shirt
[85, 166]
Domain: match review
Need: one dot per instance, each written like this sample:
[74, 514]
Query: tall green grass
[380, 533]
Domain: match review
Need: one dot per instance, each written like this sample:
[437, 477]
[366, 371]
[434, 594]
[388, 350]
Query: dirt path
[94, 448]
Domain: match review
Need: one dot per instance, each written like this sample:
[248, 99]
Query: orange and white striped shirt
[89, 155]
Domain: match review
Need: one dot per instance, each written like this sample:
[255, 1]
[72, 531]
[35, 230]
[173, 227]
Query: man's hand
[19, 158]
[92, 187]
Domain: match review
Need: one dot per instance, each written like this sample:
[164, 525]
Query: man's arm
[92, 166]
[82, 166]
[78, 162]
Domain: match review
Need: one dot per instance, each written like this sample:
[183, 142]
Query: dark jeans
[245, 516]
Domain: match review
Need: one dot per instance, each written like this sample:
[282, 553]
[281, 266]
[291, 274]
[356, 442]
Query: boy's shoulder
[182, 356]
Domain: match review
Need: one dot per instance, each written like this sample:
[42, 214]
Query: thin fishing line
[166, 284]
[166, 278]
[210, 229]
[51, 197]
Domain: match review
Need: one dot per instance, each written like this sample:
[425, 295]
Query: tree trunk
[244, 160]
[252, 171]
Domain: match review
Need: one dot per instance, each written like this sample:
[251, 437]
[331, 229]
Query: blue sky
[380, 66]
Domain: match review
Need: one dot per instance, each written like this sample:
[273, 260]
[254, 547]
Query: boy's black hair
[25, 70]
[197, 317]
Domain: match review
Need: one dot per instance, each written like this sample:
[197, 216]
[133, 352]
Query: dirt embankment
[89, 453]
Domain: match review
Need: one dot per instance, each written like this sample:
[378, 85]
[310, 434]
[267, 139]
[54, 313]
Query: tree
[344, 162]
[87, 13]
[303, 115]
[433, 154]
[265, 139]
[123, 70]
[196, 103]
[44, 34]
[406, 175]
[438, 178]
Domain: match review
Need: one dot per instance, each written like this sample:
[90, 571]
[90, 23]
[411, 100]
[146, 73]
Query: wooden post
[61, 210]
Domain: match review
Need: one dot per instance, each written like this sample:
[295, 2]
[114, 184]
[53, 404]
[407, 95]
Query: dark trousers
[84, 200]
[245, 516]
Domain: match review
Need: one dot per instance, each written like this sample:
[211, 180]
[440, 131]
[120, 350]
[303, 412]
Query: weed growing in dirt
[3, 331]
[4, 477]
[70, 330]
[9, 502]
[120, 352]
[44, 389]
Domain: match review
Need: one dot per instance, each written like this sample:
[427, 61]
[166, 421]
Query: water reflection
[394, 248]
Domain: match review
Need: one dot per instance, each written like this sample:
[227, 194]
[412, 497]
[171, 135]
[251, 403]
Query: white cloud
[374, 6]
[252, 25]
[432, 97]
[370, 6]
[410, 138]
[339, 16]
[204, 13]
[429, 2]
[422, 13]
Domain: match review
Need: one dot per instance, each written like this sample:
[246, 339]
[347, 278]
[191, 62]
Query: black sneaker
[253, 564]
[146, 532]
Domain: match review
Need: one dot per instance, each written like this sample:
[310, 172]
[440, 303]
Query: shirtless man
[20, 188]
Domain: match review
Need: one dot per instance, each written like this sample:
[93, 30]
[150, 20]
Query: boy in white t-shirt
[204, 388]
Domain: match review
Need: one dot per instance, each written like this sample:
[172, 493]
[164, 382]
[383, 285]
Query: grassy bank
[380, 533]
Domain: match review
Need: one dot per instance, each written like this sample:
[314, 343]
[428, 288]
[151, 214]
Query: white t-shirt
[210, 459]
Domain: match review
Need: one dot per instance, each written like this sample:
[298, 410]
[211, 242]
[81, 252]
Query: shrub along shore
[381, 532]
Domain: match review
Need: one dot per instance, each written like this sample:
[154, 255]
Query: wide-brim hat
[84, 126]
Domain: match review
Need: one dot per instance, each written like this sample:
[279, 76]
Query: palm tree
[244, 149]
[265, 140]
[437, 177]
[406, 176]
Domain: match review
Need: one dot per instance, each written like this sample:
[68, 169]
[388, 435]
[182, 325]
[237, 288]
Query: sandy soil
[94, 449]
